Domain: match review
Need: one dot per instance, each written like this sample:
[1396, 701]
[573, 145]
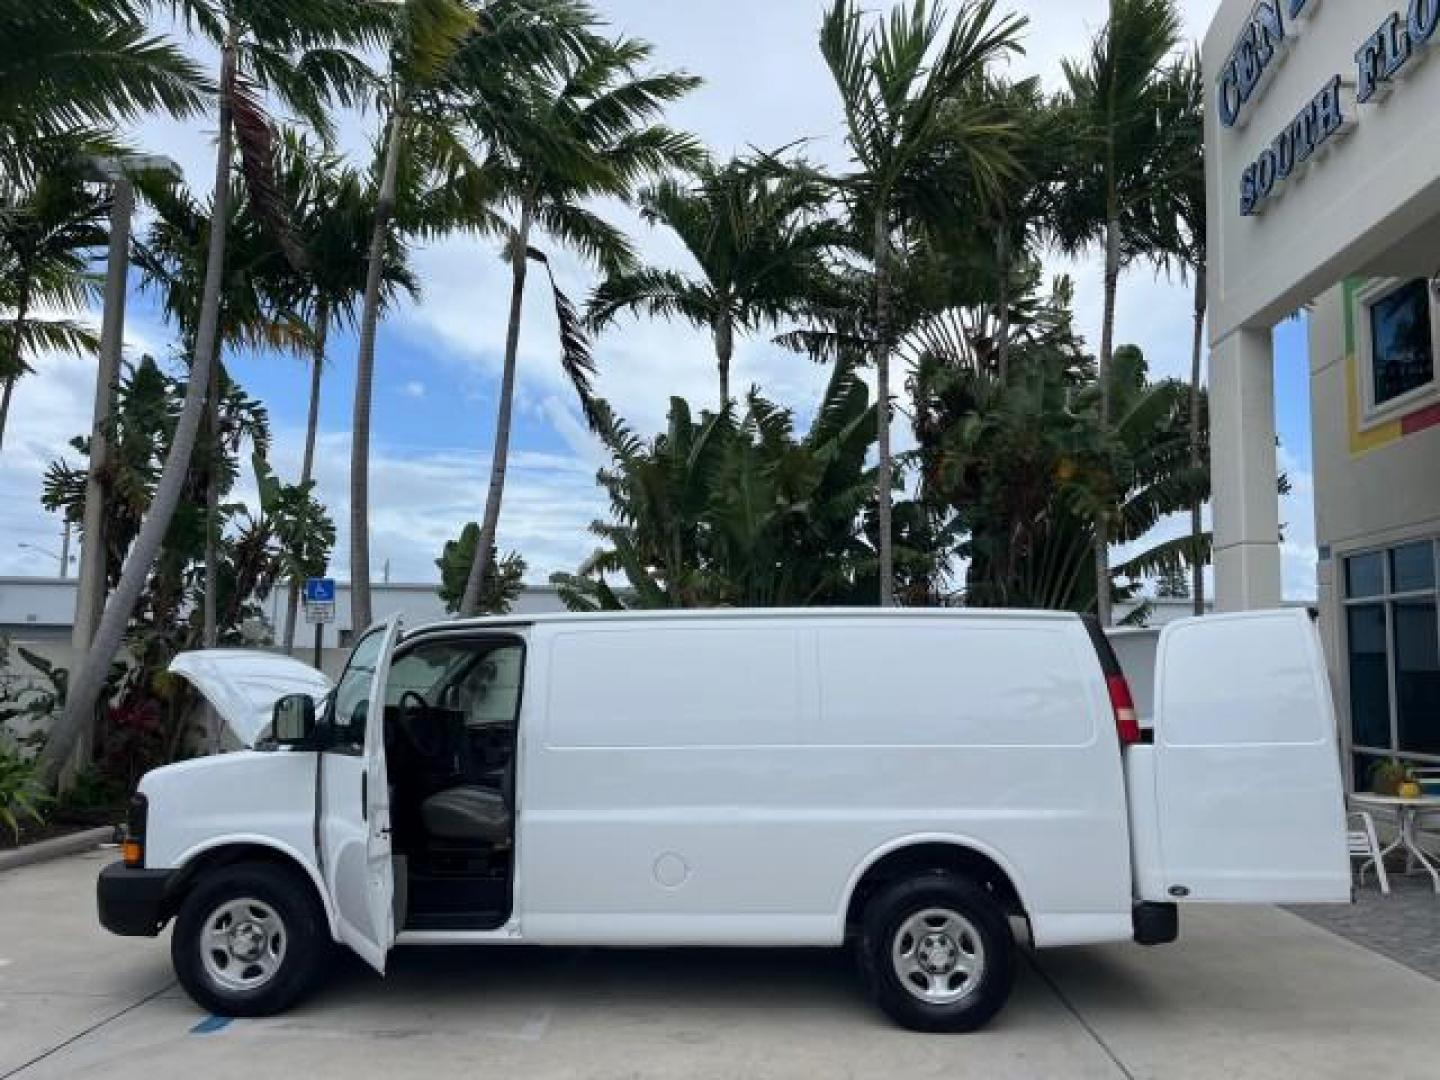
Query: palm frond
[575, 357]
[43, 335]
[255, 139]
[587, 234]
[653, 292]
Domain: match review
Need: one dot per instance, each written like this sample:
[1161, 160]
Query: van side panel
[727, 782]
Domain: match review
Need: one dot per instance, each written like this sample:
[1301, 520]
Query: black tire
[292, 906]
[979, 929]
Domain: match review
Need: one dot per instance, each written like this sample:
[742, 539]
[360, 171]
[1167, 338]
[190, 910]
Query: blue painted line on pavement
[211, 1024]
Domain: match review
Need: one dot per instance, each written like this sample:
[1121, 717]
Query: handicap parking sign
[319, 590]
[319, 600]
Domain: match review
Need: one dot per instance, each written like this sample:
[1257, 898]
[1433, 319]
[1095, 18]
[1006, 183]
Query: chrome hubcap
[242, 945]
[938, 956]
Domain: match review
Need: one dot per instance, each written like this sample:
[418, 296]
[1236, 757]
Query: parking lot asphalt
[1246, 993]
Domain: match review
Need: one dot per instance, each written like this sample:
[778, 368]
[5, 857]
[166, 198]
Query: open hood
[244, 684]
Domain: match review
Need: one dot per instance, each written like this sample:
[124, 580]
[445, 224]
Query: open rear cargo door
[1248, 796]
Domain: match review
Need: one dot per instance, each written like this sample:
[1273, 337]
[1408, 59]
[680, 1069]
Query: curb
[57, 848]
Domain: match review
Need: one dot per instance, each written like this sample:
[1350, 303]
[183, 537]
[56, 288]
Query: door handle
[364, 796]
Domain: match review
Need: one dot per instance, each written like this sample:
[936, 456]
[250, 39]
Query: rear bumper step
[1156, 924]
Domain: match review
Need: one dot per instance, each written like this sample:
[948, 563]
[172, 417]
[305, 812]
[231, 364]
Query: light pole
[63, 556]
[117, 173]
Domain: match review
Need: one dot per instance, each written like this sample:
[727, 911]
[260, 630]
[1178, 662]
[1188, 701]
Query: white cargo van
[904, 781]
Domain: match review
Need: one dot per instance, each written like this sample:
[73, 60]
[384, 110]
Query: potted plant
[1394, 777]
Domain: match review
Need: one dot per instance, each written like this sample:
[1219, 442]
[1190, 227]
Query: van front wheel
[937, 953]
[248, 940]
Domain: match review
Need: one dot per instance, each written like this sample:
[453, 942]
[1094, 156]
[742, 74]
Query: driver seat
[470, 812]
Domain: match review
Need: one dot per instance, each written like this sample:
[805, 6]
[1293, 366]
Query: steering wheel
[412, 708]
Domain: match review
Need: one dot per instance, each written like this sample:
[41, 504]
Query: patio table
[1408, 812]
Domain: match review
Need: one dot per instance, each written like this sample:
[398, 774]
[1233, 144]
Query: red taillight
[1127, 723]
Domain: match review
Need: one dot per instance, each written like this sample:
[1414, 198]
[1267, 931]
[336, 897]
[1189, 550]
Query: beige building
[1323, 174]
[1375, 402]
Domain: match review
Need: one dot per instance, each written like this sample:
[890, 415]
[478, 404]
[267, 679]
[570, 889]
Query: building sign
[1318, 123]
[1396, 47]
[1255, 56]
[1388, 53]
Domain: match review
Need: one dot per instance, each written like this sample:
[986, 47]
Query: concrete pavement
[1247, 993]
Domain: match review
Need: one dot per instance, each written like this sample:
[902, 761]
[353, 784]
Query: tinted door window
[352, 693]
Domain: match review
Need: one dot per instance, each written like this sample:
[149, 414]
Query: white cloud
[420, 498]
[413, 389]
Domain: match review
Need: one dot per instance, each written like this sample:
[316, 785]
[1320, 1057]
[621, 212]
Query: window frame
[1386, 599]
[333, 743]
[487, 635]
[1375, 413]
[495, 638]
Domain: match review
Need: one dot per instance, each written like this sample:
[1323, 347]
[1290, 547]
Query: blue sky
[438, 360]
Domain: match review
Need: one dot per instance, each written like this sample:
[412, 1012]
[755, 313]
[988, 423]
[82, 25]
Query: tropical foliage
[740, 511]
[298, 54]
[759, 235]
[1022, 467]
[46, 232]
[71, 70]
[1117, 104]
[504, 580]
[900, 84]
[288, 534]
[1043, 466]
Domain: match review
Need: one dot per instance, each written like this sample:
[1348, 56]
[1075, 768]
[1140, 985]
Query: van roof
[739, 614]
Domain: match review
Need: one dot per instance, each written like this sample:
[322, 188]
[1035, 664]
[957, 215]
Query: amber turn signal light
[133, 852]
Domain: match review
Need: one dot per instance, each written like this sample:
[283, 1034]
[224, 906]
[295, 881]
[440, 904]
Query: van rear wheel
[249, 940]
[937, 953]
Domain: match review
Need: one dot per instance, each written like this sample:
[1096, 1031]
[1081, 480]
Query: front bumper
[132, 902]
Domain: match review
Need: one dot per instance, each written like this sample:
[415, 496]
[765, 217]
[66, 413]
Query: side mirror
[293, 721]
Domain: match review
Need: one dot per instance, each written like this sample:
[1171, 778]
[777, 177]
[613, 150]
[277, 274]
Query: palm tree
[428, 35]
[895, 80]
[559, 140]
[172, 261]
[299, 54]
[334, 224]
[757, 238]
[1116, 95]
[46, 234]
[1017, 194]
[447, 56]
[1183, 235]
[69, 69]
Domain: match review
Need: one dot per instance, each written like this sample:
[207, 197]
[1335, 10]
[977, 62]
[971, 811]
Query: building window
[1401, 323]
[1392, 629]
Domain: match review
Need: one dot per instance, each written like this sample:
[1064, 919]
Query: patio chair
[1364, 844]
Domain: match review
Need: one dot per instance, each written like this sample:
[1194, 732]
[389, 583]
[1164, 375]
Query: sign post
[319, 609]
